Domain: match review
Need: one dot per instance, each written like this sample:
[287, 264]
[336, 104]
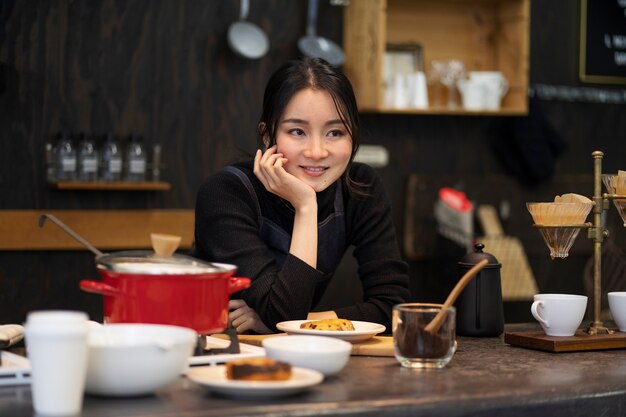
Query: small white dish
[136, 359]
[363, 330]
[324, 354]
[214, 377]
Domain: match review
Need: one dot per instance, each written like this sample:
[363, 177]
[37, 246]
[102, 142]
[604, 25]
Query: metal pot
[140, 287]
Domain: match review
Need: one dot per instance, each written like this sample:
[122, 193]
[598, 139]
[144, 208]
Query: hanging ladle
[436, 323]
[315, 46]
[82, 240]
[163, 244]
[247, 39]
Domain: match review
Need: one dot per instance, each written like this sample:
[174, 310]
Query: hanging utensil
[247, 39]
[79, 238]
[315, 46]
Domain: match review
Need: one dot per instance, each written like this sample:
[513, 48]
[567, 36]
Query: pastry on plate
[328, 324]
[258, 369]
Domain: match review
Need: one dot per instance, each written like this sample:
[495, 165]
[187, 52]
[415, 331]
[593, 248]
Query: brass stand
[597, 233]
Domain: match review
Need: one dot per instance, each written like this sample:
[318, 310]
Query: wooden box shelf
[486, 35]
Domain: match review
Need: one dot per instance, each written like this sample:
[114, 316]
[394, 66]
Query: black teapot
[480, 311]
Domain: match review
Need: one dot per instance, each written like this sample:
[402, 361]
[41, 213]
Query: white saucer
[214, 377]
[363, 330]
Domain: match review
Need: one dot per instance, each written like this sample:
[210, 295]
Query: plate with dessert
[349, 330]
[255, 377]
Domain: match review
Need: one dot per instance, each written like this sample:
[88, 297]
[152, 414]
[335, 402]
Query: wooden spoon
[164, 244]
[436, 323]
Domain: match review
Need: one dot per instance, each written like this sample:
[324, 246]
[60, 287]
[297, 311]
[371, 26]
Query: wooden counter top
[485, 378]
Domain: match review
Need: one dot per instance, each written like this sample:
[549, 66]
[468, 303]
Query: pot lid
[147, 262]
[478, 255]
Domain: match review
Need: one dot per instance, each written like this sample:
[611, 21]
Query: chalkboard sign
[603, 41]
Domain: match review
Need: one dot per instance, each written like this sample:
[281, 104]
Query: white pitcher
[473, 94]
[495, 87]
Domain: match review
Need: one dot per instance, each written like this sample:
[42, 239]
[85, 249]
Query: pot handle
[236, 284]
[97, 287]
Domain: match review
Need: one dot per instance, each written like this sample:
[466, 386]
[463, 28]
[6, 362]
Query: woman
[287, 218]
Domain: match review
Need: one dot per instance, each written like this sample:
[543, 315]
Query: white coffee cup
[56, 345]
[559, 314]
[617, 305]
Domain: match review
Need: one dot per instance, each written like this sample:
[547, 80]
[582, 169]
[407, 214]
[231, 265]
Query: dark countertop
[485, 378]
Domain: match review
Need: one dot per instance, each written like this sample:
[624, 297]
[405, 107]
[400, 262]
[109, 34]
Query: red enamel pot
[141, 287]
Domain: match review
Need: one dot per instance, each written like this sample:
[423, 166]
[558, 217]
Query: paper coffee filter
[571, 198]
[555, 214]
[615, 184]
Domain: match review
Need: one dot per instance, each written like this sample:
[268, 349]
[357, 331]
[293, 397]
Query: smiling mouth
[314, 169]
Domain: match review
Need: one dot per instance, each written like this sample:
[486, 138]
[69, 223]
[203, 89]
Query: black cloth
[529, 146]
[227, 230]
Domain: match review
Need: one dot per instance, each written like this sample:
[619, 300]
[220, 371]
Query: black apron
[331, 234]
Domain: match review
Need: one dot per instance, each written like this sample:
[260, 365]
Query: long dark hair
[317, 74]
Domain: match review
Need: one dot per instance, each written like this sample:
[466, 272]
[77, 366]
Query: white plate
[15, 369]
[363, 330]
[246, 351]
[214, 377]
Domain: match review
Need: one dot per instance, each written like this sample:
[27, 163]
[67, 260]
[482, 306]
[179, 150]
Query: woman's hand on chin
[269, 169]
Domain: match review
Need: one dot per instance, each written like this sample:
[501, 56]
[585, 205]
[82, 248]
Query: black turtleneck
[227, 231]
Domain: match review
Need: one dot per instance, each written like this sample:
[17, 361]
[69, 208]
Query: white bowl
[136, 359]
[617, 305]
[324, 354]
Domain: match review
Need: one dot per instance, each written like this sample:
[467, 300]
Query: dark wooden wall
[163, 69]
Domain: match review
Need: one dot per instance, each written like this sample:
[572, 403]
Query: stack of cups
[56, 343]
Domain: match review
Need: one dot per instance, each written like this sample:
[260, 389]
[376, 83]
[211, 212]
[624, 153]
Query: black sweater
[227, 231]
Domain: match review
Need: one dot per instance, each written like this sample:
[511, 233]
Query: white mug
[559, 314]
[617, 304]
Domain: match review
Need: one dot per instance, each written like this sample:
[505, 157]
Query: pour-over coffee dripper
[559, 240]
[559, 224]
[616, 185]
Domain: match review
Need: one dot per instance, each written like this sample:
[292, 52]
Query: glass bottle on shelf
[110, 159]
[65, 158]
[156, 163]
[51, 169]
[135, 160]
[87, 158]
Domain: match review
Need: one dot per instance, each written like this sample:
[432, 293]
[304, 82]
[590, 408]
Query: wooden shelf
[486, 35]
[112, 186]
[105, 229]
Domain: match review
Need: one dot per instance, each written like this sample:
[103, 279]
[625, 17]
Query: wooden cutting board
[376, 346]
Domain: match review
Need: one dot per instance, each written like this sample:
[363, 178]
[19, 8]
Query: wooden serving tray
[376, 346]
[581, 341]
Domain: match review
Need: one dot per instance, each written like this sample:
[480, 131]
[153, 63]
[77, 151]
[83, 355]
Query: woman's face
[314, 140]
